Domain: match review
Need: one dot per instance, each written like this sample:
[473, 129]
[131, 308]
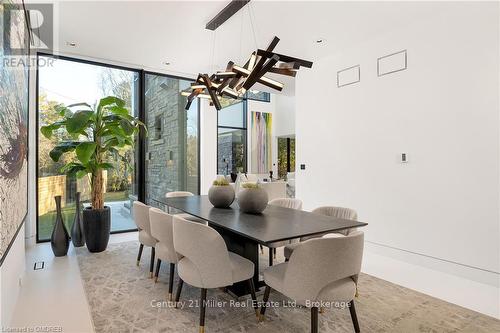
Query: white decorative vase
[252, 200]
[221, 196]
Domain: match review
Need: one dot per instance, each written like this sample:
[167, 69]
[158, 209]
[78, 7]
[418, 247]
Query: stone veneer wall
[164, 102]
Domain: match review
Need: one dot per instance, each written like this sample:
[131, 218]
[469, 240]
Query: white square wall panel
[392, 63]
[348, 76]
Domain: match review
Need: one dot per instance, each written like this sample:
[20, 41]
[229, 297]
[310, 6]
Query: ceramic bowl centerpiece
[221, 194]
[252, 198]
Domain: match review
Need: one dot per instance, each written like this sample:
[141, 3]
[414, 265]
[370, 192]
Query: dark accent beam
[232, 8]
[285, 58]
[283, 71]
[211, 91]
[254, 76]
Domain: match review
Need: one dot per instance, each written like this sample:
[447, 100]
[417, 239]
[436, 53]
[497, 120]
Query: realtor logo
[39, 17]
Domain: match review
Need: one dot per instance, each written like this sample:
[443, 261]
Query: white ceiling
[145, 34]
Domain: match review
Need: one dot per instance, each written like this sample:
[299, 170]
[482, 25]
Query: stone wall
[166, 143]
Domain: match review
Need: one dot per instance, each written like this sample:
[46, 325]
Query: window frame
[141, 142]
[245, 129]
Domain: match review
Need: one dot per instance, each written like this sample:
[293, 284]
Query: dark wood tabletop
[274, 224]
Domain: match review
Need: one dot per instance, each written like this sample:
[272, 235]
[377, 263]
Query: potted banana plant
[96, 135]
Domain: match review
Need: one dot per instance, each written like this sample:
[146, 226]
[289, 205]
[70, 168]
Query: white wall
[284, 115]
[11, 273]
[443, 111]
[208, 145]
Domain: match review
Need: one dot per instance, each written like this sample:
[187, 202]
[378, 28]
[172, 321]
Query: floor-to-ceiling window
[172, 144]
[66, 81]
[232, 139]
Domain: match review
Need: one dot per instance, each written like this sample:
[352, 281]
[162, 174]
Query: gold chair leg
[137, 263]
[169, 297]
[202, 329]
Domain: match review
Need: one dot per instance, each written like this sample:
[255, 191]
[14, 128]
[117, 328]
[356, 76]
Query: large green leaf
[85, 150]
[78, 122]
[72, 168]
[110, 100]
[49, 129]
[119, 110]
[127, 127]
[46, 131]
[64, 147]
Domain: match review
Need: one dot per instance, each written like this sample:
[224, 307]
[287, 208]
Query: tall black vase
[77, 236]
[60, 238]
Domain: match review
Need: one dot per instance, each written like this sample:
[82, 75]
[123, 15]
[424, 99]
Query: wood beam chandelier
[235, 80]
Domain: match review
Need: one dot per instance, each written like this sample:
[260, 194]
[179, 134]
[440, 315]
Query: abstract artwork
[261, 153]
[13, 123]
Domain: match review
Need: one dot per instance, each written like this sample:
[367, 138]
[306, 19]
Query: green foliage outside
[282, 157]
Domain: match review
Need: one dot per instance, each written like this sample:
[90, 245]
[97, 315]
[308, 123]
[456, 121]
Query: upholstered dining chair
[162, 231]
[141, 219]
[292, 203]
[176, 194]
[321, 271]
[338, 212]
[206, 262]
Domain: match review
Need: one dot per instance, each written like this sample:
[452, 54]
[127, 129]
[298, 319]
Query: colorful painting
[261, 136]
[13, 123]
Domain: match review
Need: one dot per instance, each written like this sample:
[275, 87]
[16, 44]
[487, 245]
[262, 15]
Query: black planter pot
[96, 227]
[59, 241]
[77, 237]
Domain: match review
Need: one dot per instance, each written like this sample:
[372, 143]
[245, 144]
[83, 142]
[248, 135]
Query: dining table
[243, 233]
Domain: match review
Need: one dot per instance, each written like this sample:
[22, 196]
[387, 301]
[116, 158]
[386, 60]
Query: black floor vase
[60, 238]
[77, 236]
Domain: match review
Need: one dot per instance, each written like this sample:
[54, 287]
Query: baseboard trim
[468, 287]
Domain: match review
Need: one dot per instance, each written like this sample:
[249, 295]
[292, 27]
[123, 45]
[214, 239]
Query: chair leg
[354, 317]
[152, 263]
[314, 320]
[171, 281]
[158, 264]
[203, 300]
[254, 296]
[141, 247]
[270, 257]
[264, 301]
[178, 293]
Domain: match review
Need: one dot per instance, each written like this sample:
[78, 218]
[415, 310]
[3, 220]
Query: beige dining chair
[292, 203]
[141, 220]
[338, 212]
[162, 231]
[321, 272]
[176, 194]
[206, 262]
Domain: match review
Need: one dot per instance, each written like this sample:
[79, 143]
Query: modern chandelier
[236, 80]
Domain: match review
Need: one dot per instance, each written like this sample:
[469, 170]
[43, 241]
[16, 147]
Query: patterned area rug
[123, 298]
